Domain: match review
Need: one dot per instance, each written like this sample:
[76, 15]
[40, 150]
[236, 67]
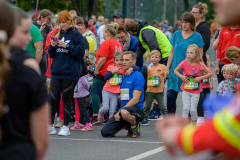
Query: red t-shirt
[107, 49]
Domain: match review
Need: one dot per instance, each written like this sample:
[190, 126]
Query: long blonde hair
[64, 16]
[208, 60]
[198, 57]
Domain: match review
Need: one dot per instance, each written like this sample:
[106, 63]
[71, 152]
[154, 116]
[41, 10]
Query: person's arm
[150, 39]
[211, 83]
[135, 99]
[176, 72]
[39, 132]
[39, 50]
[32, 63]
[215, 44]
[201, 51]
[217, 66]
[100, 63]
[140, 51]
[219, 47]
[206, 76]
[108, 75]
[169, 61]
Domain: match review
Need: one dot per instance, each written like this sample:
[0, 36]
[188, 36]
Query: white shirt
[100, 33]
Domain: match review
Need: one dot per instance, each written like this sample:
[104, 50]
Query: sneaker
[144, 123]
[51, 130]
[200, 121]
[88, 127]
[59, 123]
[94, 120]
[64, 131]
[105, 121]
[78, 126]
[160, 118]
[130, 132]
[100, 116]
[137, 131]
[153, 116]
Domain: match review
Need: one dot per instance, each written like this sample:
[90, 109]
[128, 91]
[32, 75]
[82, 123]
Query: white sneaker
[64, 131]
[51, 130]
[59, 123]
[160, 118]
[200, 121]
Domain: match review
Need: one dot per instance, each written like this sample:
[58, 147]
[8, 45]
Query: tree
[186, 5]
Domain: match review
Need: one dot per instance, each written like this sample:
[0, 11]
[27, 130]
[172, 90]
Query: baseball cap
[165, 27]
[155, 21]
[119, 15]
[46, 13]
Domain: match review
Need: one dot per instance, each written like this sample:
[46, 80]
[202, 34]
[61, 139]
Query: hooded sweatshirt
[66, 63]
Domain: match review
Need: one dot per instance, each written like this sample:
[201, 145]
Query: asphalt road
[92, 146]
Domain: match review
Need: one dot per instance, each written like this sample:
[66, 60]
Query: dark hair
[7, 27]
[77, 20]
[85, 22]
[188, 17]
[131, 25]
[20, 15]
[121, 29]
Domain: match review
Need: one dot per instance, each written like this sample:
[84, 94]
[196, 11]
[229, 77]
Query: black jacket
[203, 29]
[148, 37]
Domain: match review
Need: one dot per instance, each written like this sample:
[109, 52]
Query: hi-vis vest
[228, 128]
[162, 40]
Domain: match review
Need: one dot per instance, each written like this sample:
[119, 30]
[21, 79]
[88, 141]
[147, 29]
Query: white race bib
[124, 93]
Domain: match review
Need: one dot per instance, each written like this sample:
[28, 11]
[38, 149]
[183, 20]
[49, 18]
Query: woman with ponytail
[67, 48]
[104, 59]
[23, 113]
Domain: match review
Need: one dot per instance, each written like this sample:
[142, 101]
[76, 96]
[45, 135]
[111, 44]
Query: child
[233, 55]
[192, 75]
[231, 83]
[81, 92]
[225, 78]
[207, 84]
[111, 90]
[155, 83]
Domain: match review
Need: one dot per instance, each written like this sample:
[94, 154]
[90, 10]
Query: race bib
[153, 81]
[191, 85]
[76, 88]
[205, 80]
[124, 93]
[116, 80]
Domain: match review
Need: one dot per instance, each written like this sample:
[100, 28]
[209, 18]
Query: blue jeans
[171, 101]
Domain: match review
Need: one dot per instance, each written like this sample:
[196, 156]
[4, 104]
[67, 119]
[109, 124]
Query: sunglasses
[190, 52]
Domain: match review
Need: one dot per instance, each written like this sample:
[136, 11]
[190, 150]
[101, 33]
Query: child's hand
[184, 79]
[211, 87]
[197, 79]
[129, 71]
[115, 70]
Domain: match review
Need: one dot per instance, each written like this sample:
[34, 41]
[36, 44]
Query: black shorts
[113, 126]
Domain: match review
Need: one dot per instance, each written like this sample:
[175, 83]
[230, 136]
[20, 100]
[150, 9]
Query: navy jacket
[133, 47]
[66, 63]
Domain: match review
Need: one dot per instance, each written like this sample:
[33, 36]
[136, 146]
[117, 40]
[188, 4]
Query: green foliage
[100, 7]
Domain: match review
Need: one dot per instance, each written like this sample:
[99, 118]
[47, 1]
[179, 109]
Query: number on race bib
[153, 81]
[116, 80]
[191, 85]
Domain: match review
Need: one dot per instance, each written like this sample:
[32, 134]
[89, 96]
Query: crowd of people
[40, 56]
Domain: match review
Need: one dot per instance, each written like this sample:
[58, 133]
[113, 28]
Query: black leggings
[84, 116]
[203, 94]
[65, 86]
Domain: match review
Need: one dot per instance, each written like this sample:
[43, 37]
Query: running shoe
[130, 132]
[136, 131]
[160, 118]
[153, 116]
[64, 131]
[100, 116]
[78, 126]
[51, 130]
[94, 120]
[200, 121]
[88, 127]
[59, 123]
[144, 123]
[105, 121]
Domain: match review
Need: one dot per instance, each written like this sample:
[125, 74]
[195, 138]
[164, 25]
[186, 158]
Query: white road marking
[101, 140]
[148, 153]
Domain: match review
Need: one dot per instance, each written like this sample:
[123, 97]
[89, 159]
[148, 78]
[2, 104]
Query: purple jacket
[83, 87]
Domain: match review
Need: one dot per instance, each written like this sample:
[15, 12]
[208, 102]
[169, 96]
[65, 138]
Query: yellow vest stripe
[187, 135]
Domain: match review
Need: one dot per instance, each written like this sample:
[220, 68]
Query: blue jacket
[133, 47]
[66, 63]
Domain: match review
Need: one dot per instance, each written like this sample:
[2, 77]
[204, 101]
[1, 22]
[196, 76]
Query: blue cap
[165, 27]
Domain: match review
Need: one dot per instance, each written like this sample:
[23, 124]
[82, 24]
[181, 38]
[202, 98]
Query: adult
[66, 68]
[99, 22]
[177, 27]
[44, 18]
[104, 59]
[118, 18]
[175, 131]
[19, 41]
[23, 100]
[199, 12]
[166, 32]
[100, 30]
[94, 18]
[73, 13]
[155, 23]
[35, 46]
[132, 95]
[92, 28]
[85, 32]
[150, 38]
[180, 41]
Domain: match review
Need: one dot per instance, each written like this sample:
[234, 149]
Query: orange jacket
[221, 134]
